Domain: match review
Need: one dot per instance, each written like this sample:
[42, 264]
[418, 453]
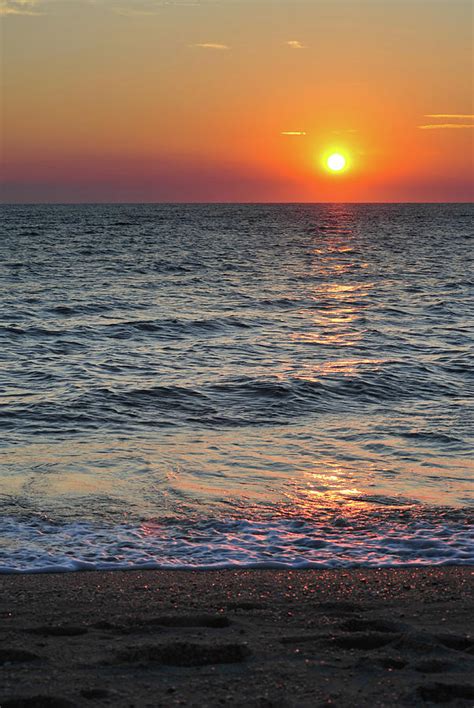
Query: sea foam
[40, 546]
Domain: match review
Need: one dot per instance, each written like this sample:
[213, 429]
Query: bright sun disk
[336, 162]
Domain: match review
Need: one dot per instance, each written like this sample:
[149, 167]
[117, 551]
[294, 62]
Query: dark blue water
[213, 385]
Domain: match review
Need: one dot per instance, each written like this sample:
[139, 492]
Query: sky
[236, 100]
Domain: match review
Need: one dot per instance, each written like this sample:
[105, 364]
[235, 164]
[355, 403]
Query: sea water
[198, 386]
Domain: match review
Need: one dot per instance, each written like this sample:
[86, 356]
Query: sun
[336, 162]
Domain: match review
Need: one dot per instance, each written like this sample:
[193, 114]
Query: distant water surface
[218, 385]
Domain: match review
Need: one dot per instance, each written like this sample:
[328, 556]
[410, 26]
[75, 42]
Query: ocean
[208, 386]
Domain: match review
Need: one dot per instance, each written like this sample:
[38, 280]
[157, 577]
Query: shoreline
[249, 637]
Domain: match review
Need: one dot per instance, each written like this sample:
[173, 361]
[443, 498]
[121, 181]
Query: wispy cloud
[462, 116]
[446, 126]
[293, 132]
[150, 7]
[210, 45]
[127, 8]
[295, 44]
[19, 7]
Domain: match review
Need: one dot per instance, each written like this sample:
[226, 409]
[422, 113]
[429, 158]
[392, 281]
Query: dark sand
[243, 638]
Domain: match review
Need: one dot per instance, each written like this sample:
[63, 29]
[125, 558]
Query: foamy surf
[36, 546]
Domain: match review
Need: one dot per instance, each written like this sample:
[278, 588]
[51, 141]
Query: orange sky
[146, 100]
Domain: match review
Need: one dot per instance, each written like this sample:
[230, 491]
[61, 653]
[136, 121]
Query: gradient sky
[154, 100]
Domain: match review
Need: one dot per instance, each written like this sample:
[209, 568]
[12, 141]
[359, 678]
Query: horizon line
[221, 203]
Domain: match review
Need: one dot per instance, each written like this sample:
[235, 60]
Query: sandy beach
[247, 637]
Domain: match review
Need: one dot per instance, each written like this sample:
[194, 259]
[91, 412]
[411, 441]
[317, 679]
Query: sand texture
[238, 638]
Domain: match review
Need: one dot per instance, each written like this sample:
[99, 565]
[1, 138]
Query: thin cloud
[151, 8]
[126, 12]
[18, 7]
[295, 44]
[462, 116]
[210, 45]
[127, 8]
[293, 132]
[446, 126]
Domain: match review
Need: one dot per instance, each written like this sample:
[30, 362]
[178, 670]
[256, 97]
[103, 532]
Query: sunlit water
[208, 386]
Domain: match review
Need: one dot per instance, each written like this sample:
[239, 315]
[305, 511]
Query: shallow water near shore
[220, 385]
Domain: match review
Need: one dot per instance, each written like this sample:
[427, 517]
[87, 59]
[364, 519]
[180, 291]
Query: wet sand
[239, 638]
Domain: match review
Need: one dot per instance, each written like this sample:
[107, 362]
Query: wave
[36, 545]
[232, 402]
[174, 327]
[167, 328]
[80, 309]
[371, 386]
